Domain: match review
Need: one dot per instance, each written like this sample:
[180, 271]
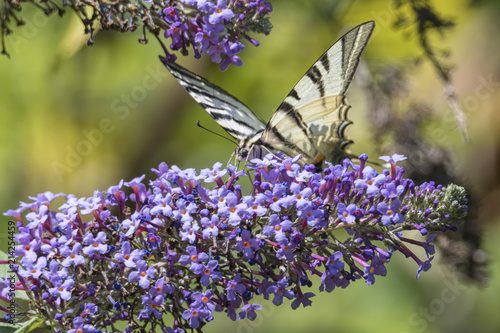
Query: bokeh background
[75, 119]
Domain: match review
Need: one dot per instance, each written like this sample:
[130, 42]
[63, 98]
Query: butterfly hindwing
[229, 112]
[314, 114]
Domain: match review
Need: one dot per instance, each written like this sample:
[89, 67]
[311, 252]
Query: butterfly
[312, 119]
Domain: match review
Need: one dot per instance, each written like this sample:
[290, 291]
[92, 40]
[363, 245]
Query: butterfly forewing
[311, 120]
[229, 112]
[313, 116]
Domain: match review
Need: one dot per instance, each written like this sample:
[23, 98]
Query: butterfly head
[249, 148]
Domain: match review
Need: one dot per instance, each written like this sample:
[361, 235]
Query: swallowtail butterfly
[312, 119]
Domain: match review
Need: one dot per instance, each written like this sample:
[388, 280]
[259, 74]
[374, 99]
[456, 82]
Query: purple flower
[424, 266]
[190, 232]
[255, 204]
[277, 228]
[211, 227]
[95, 244]
[210, 271]
[55, 271]
[395, 158]
[194, 258]
[37, 218]
[194, 316]
[90, 308]
[371, 181]
[392, 191]
[247, 244]
[142, 274]
[279, 290]
[31, 269]
[28, 248]
[302, 299]
[72, 256]
[61, 289]
[248, 310]
[203, 300]
[390, 214]
[375, 268]
[127, 257]
[274, 196]
[163, 205]
[235, 286]
[234, 212]
[151, 305]
[184, 211]
[347, 214]
[228, 60]
[80, 326]
[286, 251]
[161, 288]
[221, 13]
[211, 175]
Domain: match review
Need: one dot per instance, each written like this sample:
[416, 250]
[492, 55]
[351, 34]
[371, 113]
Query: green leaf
[25, 327]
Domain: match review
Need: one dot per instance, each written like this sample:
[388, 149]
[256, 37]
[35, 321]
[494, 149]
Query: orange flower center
[389, 212]
[246, 244]
[277, 228]
[194, 258]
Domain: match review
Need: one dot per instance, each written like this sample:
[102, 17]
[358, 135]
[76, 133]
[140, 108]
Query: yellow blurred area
[75, 119]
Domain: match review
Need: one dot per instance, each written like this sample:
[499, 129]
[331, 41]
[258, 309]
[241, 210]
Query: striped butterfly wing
[230, 113]
[313, 117]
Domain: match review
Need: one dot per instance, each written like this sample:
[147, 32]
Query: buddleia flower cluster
[169, 253]
[214, 27]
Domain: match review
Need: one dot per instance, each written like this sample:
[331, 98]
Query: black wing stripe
[289, 112]
[217, 115]
[315, 75]
[230, 113]
[325, 62]
[286, 143]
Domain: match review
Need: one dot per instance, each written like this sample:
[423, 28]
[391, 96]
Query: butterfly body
[312, 119]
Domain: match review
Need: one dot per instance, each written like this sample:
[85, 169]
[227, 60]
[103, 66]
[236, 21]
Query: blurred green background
[121, 110]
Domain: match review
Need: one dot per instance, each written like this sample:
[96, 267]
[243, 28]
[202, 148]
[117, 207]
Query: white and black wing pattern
[312, 119]
[230, 113]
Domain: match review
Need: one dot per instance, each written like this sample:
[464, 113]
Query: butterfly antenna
[230, 158]
[222, 136]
